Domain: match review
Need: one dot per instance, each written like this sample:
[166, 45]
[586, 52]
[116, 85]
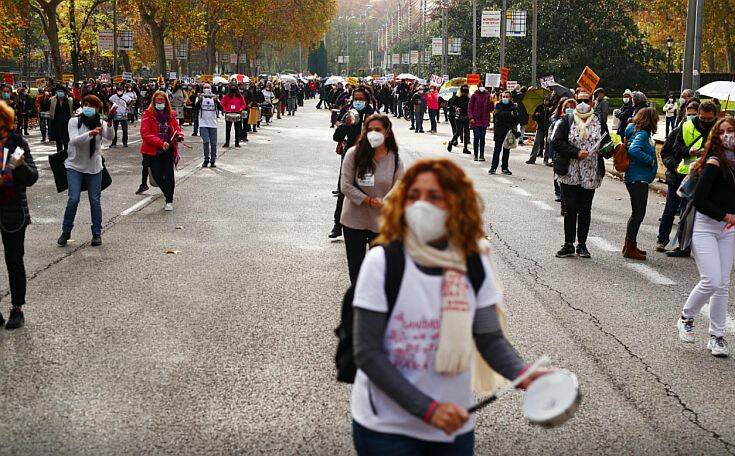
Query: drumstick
[543, 361]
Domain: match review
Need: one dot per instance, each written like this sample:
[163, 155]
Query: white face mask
[583, 108]
[375, 138]
[207, 91]
[728, 140]
[426, 221]
[481, 89]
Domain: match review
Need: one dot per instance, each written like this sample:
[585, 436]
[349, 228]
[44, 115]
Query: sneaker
[96, 240]
[466, 152]
[531, 161]
[168, 207]
[678, 253]
[686, 329]
[17, 320]
[507, 172]
[142, 189]
[660, 247]
[491, 171]
[64, 238]
[336, 233]
[717, 345]
[205, 164]
[582, 251]
[567, 250]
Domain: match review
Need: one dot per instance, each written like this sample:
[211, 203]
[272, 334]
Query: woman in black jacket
[17, 172]
[505, 119]
[713, 236]
[458, 109]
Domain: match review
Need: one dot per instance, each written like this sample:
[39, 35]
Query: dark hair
[92, 101]
[560, 106]
[708, 106]
[364, 152]
[714, 148]
[647, 120]
[692, 104]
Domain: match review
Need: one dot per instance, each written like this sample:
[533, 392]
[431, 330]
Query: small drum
[267, 111]
[552, 399]
[233, 117]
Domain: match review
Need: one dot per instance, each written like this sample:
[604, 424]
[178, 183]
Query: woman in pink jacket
[478, 112]
[233, 104]
[432, 104]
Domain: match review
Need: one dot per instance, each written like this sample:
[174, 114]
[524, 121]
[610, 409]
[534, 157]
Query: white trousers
[712, 247]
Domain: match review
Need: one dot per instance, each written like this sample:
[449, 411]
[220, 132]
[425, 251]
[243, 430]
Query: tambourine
[549, 401]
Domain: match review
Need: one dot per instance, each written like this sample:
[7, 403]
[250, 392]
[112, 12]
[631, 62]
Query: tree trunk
[155, 30]
[711, 61]
[211, 46]
[74, 40]
[730, 59]
[125, 59]
[47, 13]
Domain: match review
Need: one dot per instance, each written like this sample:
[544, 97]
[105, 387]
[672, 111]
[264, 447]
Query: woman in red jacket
[161, 133]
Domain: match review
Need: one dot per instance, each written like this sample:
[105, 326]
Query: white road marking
[137, 206]
[503, 180]
[520, 191]
[601, 244]
[651, 274]
[542, 205]
[729, 324]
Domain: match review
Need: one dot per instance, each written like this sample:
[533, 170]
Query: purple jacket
[480, 108]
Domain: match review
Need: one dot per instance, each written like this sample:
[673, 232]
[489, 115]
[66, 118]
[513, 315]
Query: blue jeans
[94, 189]
[670, 124]
[674, 205]
[418, 113]
[209, 141]
[478, 141]
[370, 443]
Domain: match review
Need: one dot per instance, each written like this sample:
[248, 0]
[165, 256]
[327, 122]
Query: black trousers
[238, 132]
[638, 192]
[578, 216]
[340, 195]
[357, 243]
[13, 245]
[162, 169]
[462, 130]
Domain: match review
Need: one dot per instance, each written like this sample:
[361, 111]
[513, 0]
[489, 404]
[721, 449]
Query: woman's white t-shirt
[411, 340]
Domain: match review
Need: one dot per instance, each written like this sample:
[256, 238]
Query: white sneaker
[168, 207]
[686, 330]
[718, 346]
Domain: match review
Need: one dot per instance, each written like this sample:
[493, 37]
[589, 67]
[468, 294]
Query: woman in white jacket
[84, 165]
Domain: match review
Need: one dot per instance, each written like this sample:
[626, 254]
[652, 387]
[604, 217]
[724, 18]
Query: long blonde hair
[464, 208]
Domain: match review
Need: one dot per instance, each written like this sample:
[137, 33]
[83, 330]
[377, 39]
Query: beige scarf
[455, 331]
[583, 121]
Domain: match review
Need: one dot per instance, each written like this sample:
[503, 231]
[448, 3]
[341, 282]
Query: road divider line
[542, 205]
[601, 244]
[729, 324]
[520, 191]
[139, 205]
[650, 273]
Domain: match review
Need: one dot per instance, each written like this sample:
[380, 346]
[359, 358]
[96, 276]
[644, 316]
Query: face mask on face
[160, 106]
[481, 89]
[426, 221]
[60, 94]
[707, 124]
[358, 104]
[6, 96]
[728, 141]
[506, 101]
[691, 117]
[89, 111]
[569, 111]
[626, 100]
[583, 108]
[465, 92]
[207, 91]
[682, 100]
[119, 93]
[375, 138]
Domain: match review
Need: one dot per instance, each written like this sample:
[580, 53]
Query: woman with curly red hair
[414, 352]
[17, 172]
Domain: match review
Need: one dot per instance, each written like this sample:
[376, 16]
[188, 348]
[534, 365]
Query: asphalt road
[226, 345]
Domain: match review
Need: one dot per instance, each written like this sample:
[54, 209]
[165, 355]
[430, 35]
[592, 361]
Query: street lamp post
[669, 44]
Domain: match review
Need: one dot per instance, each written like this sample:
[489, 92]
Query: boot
[631, 251]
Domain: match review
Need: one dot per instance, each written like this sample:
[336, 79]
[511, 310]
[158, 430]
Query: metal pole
[474, 36]
[686, 72]
[668, 68]
[503, 31]
[445, 39]
[114, 37]
[348, 50]
[534, 43]
[697, 64]
[301, 53]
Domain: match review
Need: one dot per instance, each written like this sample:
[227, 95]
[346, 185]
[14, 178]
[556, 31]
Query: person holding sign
[17, 172]
[579, 168]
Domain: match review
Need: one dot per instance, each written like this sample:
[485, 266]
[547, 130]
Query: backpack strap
[475, 271]
[395, 264]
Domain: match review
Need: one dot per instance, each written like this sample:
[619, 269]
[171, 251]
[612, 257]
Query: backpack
[395, 264]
